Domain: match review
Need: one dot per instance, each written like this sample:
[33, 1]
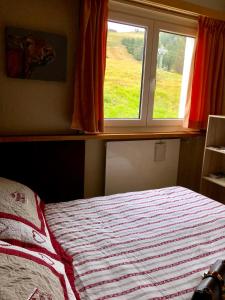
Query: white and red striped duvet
[153, 244]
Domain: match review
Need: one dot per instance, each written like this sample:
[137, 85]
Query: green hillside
[123, 82]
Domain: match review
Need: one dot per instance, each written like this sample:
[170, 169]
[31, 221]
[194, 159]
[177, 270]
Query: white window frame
[154, 22]
[170, 28]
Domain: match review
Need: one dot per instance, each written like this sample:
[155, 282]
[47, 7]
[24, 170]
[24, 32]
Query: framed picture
[35, 55]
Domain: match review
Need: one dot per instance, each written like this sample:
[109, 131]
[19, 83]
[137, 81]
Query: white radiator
[141, 165]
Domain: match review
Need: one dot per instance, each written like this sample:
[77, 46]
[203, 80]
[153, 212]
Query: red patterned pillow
[21, 218]
[32, 275]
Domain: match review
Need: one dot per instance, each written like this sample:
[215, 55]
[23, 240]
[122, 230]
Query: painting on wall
[35, 55]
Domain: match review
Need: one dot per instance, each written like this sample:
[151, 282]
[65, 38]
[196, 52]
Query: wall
[214, 9]
[217, 5]
[33, 106]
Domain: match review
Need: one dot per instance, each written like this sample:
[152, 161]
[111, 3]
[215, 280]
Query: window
[172, 73]
[148, 66]
[123, 78]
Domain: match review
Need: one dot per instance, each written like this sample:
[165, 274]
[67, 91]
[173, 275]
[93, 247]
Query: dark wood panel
[190, 162]
[55, 170]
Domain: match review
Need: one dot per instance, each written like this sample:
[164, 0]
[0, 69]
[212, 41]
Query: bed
[153, 244]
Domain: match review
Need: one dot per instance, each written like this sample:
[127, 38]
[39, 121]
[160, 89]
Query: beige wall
[34, 106]
[216, 4]
[211, 8]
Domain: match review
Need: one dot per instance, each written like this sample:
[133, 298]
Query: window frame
[170, 28]
[134, 20]
[153, 22]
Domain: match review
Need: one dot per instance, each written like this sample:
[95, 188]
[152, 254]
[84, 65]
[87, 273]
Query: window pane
[172, 74]
[123, 78]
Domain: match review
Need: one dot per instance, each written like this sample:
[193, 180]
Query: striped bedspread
[153, 244]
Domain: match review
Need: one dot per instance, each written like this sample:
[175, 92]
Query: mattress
[152, 244]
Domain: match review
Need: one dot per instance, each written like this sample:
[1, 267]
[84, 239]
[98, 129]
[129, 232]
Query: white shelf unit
[214, 159]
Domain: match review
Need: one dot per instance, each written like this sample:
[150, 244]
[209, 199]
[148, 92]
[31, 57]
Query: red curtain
[88, 113]
[208, 87]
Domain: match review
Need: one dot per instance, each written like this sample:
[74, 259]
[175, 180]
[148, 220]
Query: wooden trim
[103, 136]
[180, 7]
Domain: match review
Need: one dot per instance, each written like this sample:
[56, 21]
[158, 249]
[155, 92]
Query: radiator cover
[136, 165]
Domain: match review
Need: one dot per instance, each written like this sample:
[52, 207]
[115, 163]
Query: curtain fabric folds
[88, 113]
[208, 85]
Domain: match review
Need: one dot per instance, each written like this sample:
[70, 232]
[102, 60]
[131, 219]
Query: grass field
[123, 83]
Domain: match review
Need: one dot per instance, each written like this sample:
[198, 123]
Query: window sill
[103, 136]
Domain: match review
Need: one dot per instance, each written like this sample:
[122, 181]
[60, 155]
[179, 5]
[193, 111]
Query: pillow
[21, 218]
[30, 275]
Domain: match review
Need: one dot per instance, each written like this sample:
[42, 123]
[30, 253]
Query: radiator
[141, 165]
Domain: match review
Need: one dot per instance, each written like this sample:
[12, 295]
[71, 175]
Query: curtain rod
[161, 8]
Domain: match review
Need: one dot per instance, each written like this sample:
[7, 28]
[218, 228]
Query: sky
[123, 28]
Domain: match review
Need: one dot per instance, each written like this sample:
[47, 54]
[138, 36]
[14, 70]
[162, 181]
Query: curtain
[88, 115]
[208, 85]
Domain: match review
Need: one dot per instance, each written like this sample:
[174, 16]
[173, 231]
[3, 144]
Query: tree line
[170, 51]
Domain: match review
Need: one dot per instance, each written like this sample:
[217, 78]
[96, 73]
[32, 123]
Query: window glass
[123, 77]
[172, 74]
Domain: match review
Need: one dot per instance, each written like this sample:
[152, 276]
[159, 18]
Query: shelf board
[218, 181]
[214, 149]
[217, 116]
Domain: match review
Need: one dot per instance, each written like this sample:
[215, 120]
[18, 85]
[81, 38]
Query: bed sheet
[152, 244]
